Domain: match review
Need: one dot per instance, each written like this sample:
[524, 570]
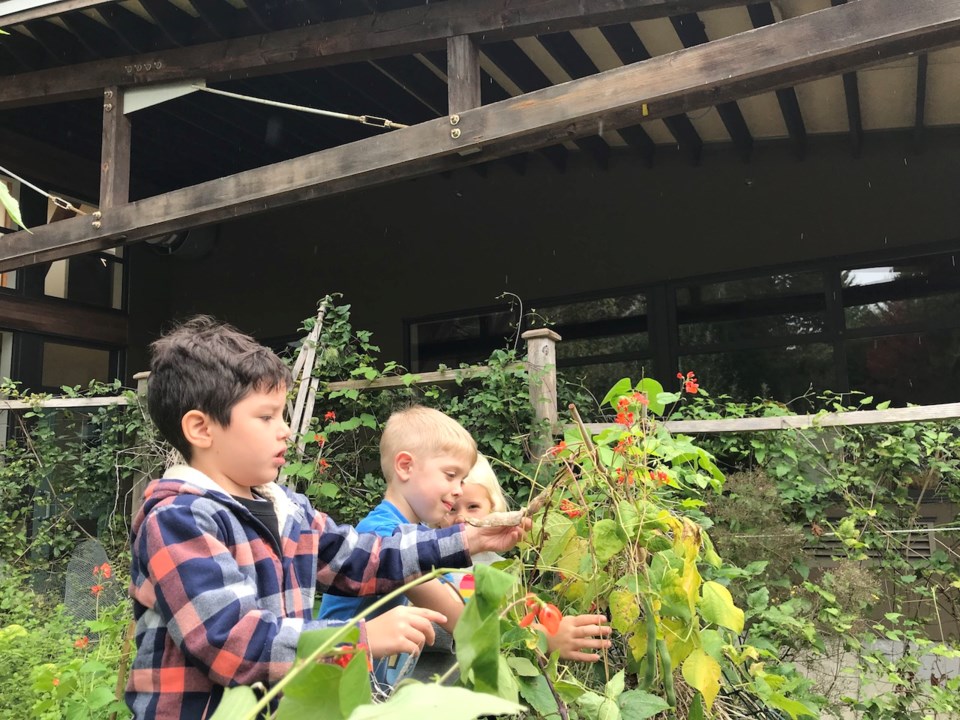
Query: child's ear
[195, 426]
[402, 465]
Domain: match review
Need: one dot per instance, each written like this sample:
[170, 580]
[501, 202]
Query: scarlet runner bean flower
[569, 509]
[546, 614]
[82, 643]
[96, 590]
[624, 418]
[330, 415]
[558, 448]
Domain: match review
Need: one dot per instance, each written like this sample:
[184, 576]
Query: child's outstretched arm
[441, 597]
[496, 539]
[404, 629]
[578, 633]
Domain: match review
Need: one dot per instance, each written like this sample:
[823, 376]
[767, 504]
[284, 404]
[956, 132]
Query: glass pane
[925, 290]
[744, 328]
[466, 339]
[766, 286]
[116, 284]
[6, 356]
[782, 305]
[599, 378]
[610, 345]
[917, 368]
[8, 280]
[779, 374]
[73, 365]
[611, 308]
[55, 282]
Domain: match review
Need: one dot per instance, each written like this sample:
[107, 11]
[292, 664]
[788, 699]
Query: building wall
[443, 243]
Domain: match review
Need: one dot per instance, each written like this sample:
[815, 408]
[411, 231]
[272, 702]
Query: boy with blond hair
[225, 562]
[424, 455]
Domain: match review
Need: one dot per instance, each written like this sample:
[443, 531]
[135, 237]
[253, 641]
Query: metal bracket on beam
[138, 98]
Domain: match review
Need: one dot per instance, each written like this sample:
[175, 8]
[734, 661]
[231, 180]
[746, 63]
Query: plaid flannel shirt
[214, 605]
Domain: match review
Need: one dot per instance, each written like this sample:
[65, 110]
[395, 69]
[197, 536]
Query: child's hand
[577, 633]
[402, 629]
[497, 539]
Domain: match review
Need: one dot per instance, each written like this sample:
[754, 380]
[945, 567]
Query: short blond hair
[482, 474]
[419, 429]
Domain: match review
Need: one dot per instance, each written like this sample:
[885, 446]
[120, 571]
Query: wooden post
[542, 369]
[463, 74]
[115, 151]
[142, 477]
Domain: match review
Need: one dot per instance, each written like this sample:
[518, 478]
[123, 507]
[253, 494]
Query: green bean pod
[651, 622]
[667, 667]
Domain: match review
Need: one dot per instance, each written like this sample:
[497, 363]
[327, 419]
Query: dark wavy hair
[209, 366]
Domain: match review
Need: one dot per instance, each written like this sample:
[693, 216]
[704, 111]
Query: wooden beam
[802, 49]
[62, 319]
[48, 10]
[463, 74]
[115, 151]
[918, 121]
[398, 32]
[761, 15]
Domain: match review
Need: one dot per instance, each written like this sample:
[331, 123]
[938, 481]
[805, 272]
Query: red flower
[624, 418]
[528, 618]
[623, 403]
[81, 643]
[322, 464]
[569, 509]
[56, 681]
[691, 386]
[96, 590]
[558, 448]
[550, 617]
[106, 571]
[320, 439]
[680, 375]
[330, 415]
[531, 600]
[623, 444]
[641, 398]
[343, 660]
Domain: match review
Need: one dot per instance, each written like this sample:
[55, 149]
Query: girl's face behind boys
[430, 485]
[474, 502]
[248, 452]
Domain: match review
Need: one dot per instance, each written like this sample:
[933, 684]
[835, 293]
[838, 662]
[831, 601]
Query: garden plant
[635, 523]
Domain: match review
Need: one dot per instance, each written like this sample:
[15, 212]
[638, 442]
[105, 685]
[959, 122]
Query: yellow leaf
[624, 610]
[717, 607]
[703, 673]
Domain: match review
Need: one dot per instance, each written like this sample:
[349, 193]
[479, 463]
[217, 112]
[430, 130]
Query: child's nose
[285, 431]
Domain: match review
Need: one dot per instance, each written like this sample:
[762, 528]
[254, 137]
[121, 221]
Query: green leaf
[621, 387]
[101, 696]
[414, 701]
[236, 702]
[793, 708]
[607, 541]
[598, 707]
[523, 667]
[329, 489]
[355, 684]
[653, 391]
[11, 205]
[315, 692]
[717, 607]
[537, 693]
[614, 688]
[639, 705]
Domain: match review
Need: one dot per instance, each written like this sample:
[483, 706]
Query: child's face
[474, 502]
[432, 485]
[249, 451]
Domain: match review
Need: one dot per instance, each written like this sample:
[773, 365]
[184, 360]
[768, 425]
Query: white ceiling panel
[823, 105]
[888, 95]
[943, 99]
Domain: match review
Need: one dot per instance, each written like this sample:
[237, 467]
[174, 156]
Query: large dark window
[889, 328]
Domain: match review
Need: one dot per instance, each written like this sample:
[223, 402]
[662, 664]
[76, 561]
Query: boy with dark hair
[225, 562]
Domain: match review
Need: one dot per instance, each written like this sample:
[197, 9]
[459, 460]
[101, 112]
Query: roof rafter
[365, 37]
[802, 49]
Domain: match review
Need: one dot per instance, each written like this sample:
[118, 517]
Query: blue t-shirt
[383, 520]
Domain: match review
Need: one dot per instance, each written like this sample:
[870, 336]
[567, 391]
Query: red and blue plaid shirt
[214, 605]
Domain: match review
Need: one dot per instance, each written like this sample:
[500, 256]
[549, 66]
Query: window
[92, 279]
[74, 365]
[889, 328]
